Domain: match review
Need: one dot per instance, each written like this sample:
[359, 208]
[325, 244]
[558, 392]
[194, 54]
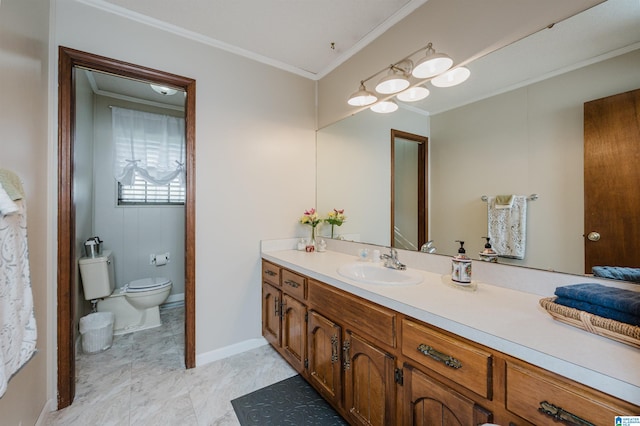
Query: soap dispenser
[488, 254]
[461, 266]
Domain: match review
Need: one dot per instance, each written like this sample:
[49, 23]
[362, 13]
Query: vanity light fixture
[362, 97]
[384, 107]
[452, 77]
[396, 80]
[413, 94]
[163, 90]
[432, 64]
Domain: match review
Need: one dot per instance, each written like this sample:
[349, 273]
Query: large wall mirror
[515, 127]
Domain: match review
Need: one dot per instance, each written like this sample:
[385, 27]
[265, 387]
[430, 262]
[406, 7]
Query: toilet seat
[147, 284]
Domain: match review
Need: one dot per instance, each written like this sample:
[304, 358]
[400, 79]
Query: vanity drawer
[467, 365]
[294, 285]
[529, 387]
[270, 273]
[368, 318]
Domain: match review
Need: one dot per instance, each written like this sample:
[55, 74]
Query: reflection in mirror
[408, 190]
[354, 171]
[524, 138]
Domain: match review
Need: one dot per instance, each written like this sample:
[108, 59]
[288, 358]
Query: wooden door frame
[68, 60]
[423, 182]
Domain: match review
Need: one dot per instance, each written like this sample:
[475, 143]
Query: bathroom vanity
[429, 353]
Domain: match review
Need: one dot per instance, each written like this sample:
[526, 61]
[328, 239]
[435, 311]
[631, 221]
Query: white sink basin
[377, 274]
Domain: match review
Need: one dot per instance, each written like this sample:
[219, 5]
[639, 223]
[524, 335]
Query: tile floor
[141, 380]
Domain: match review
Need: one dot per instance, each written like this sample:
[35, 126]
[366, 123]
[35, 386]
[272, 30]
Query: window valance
[151, 146]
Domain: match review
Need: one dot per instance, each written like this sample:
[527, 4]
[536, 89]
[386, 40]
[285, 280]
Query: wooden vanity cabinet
[350, 361]
[324, 339]
[271, 320]
[545, 399]
[429, 402]
[379, 367]
[284, 313]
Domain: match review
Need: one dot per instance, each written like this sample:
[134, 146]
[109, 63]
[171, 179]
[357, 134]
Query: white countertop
[504, 319]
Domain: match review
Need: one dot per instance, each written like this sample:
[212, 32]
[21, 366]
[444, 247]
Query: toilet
[136, 305]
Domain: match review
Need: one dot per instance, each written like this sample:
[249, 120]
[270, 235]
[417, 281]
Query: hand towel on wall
[7, 206]
[507, 227]
[17, 321]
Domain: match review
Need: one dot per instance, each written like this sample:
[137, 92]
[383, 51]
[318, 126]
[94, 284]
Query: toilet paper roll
[162, 259]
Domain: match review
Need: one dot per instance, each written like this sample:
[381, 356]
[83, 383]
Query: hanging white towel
[17, 321]
[507, 228]
[7, 206]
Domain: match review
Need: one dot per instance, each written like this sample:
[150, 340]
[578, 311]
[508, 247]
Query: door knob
[593, 236]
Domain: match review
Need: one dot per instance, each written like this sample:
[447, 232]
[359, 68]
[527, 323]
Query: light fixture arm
[396, 65]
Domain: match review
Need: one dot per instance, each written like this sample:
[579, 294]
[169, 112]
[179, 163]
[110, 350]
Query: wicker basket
[625, 333]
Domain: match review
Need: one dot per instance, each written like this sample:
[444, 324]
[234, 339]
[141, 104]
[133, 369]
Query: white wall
[254, 139]
[354, 170]
[24, 61]
[526, 141]
[133, 232]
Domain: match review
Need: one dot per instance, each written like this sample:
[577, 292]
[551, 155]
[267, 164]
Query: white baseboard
[230, 350]
[49, 406]
[174, 298]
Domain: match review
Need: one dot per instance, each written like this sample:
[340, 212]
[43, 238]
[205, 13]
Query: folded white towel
[7, 206]
[507, 227]
[504, 201]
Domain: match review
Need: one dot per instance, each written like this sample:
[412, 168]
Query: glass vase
[311, 243]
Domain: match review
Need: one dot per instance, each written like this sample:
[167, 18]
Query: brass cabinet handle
[346, 363]
[447, 360]
[270, 273]
[560, 415]
[292, 283]
[334, 348]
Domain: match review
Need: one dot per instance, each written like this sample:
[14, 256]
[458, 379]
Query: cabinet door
[271, 304]
[429, 402]
[294, 331]
[369, 386]
[324, 368]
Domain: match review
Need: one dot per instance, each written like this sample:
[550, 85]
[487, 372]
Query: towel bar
[531, 197]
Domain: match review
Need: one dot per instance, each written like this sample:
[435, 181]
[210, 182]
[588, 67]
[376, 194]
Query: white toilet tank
[97, 273]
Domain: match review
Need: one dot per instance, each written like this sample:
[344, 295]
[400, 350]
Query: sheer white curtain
[148, 145]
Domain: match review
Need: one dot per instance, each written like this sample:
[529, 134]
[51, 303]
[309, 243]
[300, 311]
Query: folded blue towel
[619, 299]
[601, 311]
[617, 273]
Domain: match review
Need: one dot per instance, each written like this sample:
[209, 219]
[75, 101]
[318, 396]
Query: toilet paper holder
[159, 259]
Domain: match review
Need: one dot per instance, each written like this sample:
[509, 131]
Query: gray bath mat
[290, 402]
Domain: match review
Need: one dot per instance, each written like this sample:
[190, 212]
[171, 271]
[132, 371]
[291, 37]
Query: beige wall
[23, 149]
[254, 139]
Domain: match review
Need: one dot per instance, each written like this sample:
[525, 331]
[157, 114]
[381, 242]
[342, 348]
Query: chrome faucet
[391, 260]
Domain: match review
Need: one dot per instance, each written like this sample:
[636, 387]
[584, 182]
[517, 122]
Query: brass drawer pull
[270, 273]
[334, 348]
[293, 284]
[447, 360]
[560, 415]
[346, 362]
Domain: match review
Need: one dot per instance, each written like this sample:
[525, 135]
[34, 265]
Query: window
[149, 155]
[143, 192]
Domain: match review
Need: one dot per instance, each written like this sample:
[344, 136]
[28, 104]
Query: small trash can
[97, 332]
